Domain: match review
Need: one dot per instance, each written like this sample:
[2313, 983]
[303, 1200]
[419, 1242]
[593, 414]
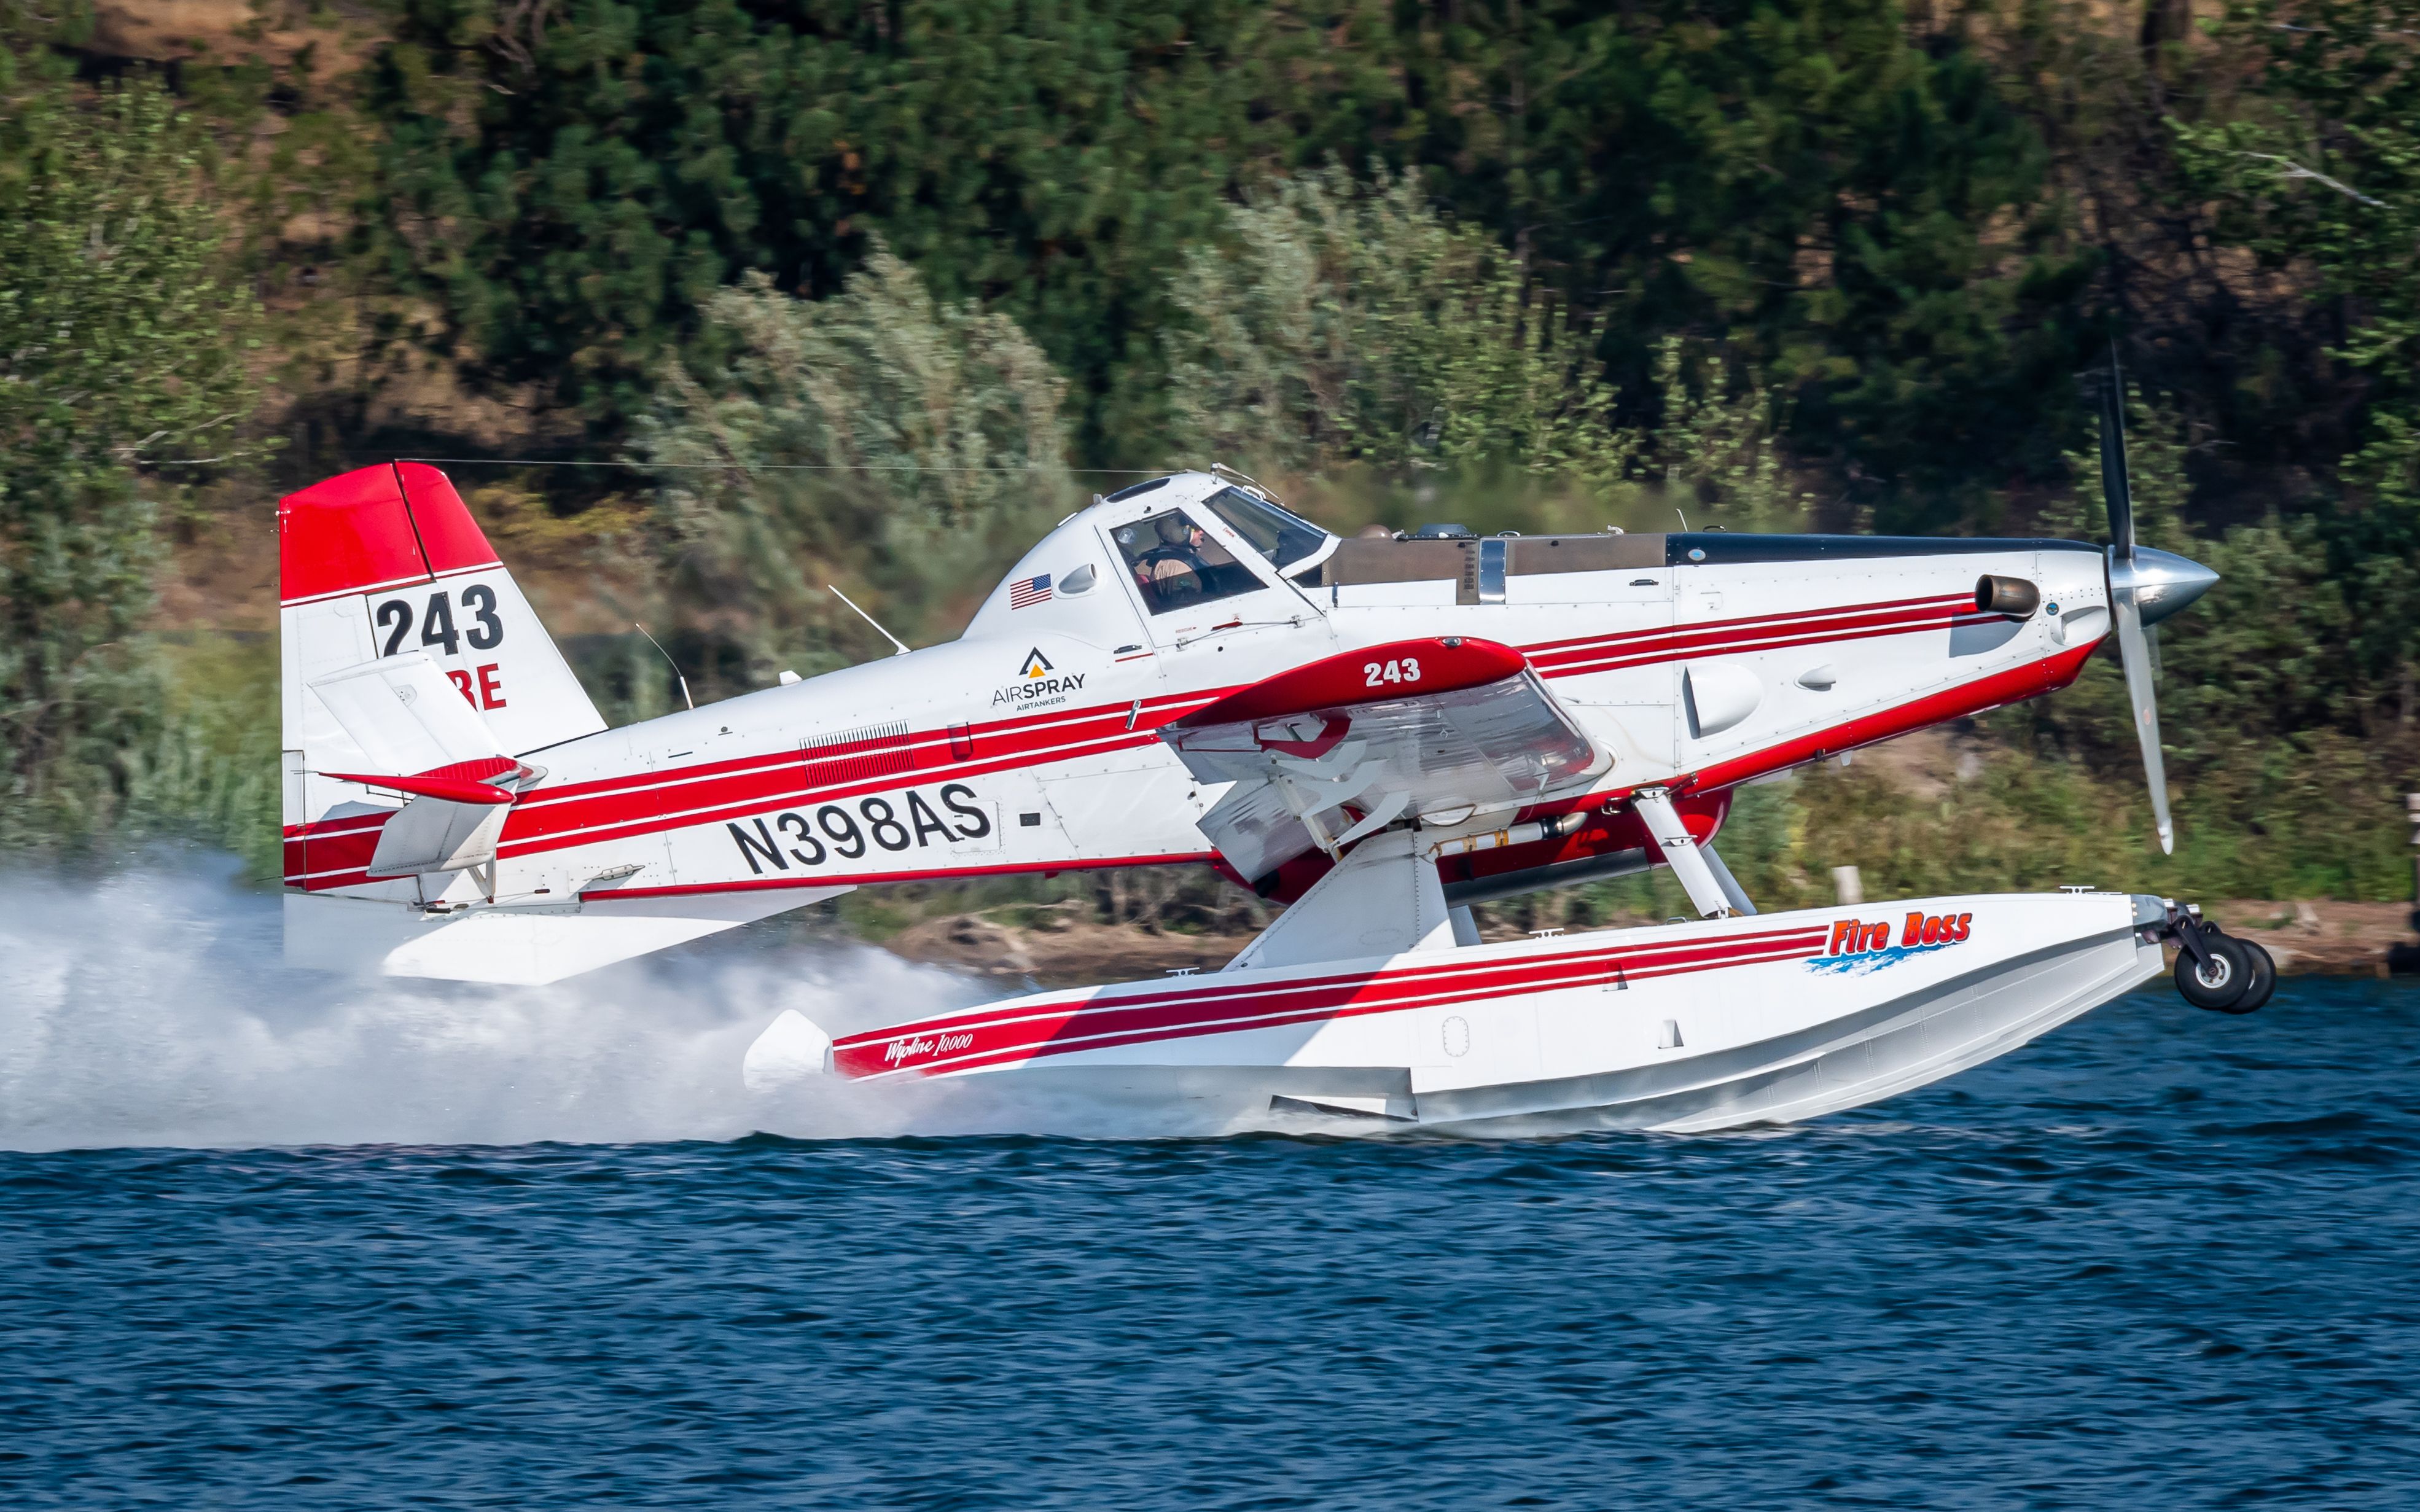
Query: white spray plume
[149, 1006]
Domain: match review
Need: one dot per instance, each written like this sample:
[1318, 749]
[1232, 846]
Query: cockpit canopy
[1176, 563]
[1183, 540]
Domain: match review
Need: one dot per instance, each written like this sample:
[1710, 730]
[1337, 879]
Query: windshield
[1177, 564]
[1276, 534]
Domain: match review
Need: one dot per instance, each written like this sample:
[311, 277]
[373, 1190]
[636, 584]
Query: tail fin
[385, 562]
[393, 606]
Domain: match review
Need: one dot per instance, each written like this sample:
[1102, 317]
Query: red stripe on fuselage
[317, 860]
[1816, 637]
[1572, 658]
[1547, 649]
[859, 879]
[1023, 731]
[632, 804]
[756, 792]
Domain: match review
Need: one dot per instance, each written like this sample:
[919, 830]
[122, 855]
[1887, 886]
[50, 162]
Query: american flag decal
[1028, 591]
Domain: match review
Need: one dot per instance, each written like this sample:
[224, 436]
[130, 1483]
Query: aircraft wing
[1338, 748]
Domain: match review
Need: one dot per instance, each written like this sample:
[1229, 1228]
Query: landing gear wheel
[2221, 984]
[2263, 984]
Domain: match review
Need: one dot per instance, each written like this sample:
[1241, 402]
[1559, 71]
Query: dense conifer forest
[1838, 264]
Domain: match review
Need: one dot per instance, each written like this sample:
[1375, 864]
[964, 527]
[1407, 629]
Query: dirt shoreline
[2322, 938]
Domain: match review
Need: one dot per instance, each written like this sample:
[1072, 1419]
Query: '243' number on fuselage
[1403, 670]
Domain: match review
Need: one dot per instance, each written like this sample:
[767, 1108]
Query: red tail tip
[378, 527]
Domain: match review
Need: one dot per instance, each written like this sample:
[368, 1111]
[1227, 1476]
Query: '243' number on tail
[437, 630]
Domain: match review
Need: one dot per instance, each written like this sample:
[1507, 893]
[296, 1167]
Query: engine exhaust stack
[2011, 596]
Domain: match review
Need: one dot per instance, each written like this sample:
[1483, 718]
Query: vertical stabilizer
[386, 563]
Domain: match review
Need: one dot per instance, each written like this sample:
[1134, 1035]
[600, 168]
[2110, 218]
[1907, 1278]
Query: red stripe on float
[1040, 1029]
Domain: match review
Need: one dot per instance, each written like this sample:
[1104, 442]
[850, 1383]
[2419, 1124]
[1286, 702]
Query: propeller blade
[2136, 653]
[2113, 462]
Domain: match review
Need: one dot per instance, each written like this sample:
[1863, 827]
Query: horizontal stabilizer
[405, 716]
[514, 947]
[450, 788]
[430, 835]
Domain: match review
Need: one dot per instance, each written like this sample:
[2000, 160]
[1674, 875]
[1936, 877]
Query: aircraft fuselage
[1698, 660]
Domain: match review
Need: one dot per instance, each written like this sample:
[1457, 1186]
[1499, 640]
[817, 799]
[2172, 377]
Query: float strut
[1682, 854]
[2185, 927]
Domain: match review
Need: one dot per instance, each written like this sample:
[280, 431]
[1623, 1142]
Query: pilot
[1173, 571]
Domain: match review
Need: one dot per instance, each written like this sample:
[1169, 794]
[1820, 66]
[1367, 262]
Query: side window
[1177, 566]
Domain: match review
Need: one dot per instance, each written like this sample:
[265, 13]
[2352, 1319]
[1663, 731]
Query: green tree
[878, 437]
[2320, 176]
[123, 351]
[1347, 324]
[1843, 189]
[1720, 444]
[2322, 171]
[567, 183]
[1841, 186]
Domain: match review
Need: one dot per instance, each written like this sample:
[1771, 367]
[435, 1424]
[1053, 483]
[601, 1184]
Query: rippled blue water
[2160, 1259]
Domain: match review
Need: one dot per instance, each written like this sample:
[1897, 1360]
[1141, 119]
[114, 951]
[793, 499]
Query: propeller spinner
[2145, 587]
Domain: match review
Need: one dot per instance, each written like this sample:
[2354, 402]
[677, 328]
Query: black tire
[2263, 984]
[2229, 976]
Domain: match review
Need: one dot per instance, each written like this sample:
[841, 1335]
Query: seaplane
[1376, 733]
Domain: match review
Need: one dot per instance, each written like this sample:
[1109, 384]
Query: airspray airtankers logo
[1858, 948]
[1038, 685]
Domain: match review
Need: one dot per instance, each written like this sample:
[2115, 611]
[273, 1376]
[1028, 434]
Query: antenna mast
[870, 619]
[669, 662]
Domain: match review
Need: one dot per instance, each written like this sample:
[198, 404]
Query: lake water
[524, 1250]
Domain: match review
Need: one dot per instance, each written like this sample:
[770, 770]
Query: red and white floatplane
[1379, 732]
